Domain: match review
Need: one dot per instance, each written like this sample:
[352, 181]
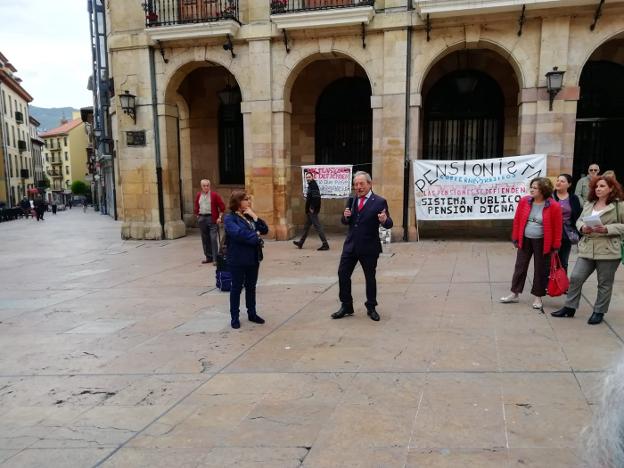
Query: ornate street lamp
[128, 104]
[554, 83]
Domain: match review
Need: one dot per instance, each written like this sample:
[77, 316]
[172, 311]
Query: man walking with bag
[209, 209]
[363, 214]
[312, 208]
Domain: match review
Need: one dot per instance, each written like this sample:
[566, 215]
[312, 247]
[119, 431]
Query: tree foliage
[78, 187]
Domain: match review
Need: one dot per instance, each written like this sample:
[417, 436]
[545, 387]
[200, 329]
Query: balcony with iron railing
[184, 19]
[305, 14]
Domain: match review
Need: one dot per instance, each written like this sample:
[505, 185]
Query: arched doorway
[464, 117]
[600, 112]
[470, 107]
[344, 124]
[209, 131]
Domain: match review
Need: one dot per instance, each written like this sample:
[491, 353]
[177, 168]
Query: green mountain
[50, 117]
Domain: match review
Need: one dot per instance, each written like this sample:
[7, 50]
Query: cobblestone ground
[119, 353]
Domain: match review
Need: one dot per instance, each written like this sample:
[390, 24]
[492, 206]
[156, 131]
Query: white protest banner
[334, 181]
[473, 189]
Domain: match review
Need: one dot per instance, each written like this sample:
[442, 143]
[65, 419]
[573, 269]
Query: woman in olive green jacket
[599, 249]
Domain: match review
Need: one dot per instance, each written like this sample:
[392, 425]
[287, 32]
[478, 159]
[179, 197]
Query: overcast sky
[48, 42]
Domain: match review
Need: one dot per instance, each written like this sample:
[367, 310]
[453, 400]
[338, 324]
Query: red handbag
[558, 281]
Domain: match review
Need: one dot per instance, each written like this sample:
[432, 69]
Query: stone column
[282, 170]
[414, 153]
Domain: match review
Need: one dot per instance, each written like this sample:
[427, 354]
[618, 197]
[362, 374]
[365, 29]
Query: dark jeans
[313, 220]
[243, 276]
[209, 236]
[564, 252]
[345, 270]
[541, 265]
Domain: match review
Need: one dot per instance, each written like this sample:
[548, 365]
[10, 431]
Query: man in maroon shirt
[209, 209]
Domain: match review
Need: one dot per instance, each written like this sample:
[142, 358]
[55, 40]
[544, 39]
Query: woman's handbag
[571, 233]
[558, 281]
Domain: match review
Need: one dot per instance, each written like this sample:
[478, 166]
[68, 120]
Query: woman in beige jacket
[599, 248]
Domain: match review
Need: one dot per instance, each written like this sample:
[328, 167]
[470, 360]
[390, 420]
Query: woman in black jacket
[571, 210]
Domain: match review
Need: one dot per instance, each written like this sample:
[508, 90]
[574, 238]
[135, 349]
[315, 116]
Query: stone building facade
[246, 91]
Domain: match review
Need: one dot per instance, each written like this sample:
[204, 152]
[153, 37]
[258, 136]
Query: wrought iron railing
[292, 6]
[172, 12]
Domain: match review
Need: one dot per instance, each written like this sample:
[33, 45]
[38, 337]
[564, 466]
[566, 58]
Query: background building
[65, 156]
[17, 163]
[245, 93]
[36, 151]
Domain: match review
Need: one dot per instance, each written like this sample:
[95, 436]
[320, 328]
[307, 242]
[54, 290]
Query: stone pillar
[174, 225]
[389, 128]
[414, 153]
[282, 170]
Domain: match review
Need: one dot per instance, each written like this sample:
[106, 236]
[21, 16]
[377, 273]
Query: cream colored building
[65, 154]
[246, 91]
[15, 146]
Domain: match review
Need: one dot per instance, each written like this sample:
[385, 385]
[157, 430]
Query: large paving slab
[119, 353]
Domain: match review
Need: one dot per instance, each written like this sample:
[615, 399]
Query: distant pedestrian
[363, 214]
[69, 203]
[39, 207]
[243, 229]
[84, 206]
[536, 232]
[54, 207]
[582, 186]
[209, 209]
[25, 206]
[312, 208]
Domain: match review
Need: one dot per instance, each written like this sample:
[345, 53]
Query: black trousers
[541, 265]
[345, 270]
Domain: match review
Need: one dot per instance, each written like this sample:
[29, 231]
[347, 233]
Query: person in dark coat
[25, 206]
[363, 214]
[312, 208]
[40, 207]
[244, 246]
[570, 210]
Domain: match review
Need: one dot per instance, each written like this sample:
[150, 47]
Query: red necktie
[361, 203]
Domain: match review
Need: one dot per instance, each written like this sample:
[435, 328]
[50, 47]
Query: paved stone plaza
[119, 354]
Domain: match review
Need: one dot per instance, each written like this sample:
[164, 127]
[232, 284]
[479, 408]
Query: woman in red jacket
[536, 233]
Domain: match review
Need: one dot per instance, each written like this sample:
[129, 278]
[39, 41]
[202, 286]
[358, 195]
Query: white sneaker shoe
[509, 299]
[537, 303]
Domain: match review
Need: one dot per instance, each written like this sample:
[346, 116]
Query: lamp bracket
[428, 27]
[229, 45]
[363, 36]
[162, 51]
[521, 20]
[286, 41]
[597, 15]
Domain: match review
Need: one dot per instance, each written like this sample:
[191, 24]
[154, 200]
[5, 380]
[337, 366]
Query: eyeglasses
[593, 170]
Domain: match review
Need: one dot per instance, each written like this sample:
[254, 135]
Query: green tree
[78, 187]
[44, 183]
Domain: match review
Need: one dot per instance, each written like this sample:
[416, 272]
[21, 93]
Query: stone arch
[303, 62]
[484, 43]
[592, 49]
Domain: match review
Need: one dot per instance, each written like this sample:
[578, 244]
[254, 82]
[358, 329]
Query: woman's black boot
[595, 318]
[564, 312]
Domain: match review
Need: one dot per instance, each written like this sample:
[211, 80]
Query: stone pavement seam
[188, 394]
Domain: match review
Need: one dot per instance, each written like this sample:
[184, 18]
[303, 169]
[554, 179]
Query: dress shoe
[595, 318]
[564, 312]
[323, 247]
[235, 324]
[372, 313]
[513, 297]
[298, 243]
[345, 309]
[256, 319]
[208, 260]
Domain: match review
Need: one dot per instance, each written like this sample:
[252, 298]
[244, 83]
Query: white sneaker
[509, 299]
[537, 303]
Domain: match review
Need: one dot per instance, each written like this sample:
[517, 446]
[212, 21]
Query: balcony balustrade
[294, 6]
[177, 12]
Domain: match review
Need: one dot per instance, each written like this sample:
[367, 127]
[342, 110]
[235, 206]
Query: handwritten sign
[474, 189]
[334, 181]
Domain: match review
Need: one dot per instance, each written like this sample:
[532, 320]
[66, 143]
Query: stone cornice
[324, 18]
[193, 31]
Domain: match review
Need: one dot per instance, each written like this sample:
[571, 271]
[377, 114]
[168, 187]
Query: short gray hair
[604, 439]
[363, 173]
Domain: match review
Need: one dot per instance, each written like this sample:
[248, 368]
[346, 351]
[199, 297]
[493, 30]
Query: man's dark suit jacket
[363, 236]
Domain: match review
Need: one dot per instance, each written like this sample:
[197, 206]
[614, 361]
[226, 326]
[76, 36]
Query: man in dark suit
[364, 214]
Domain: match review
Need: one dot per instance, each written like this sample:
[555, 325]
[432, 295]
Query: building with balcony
[65, 155]
[36, 144]
[243, 93]
[16, 172]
